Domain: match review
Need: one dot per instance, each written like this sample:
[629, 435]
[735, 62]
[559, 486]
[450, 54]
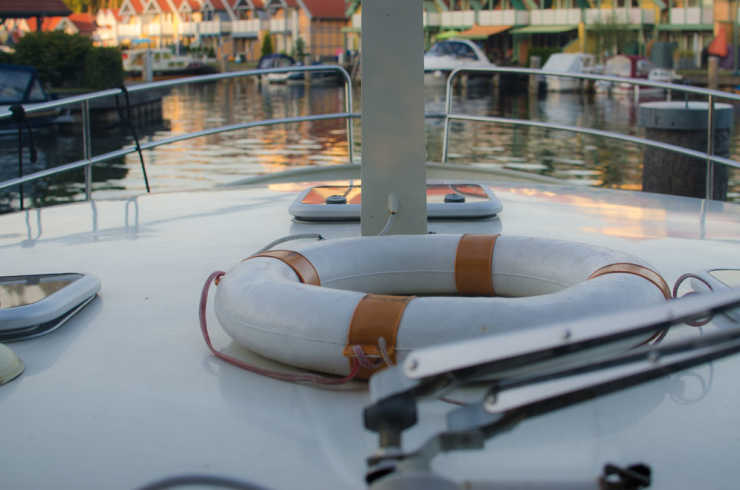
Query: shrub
[267, 44]
[58, 57]
[103, 68]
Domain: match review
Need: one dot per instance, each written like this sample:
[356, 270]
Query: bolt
[413, 364]
[566, 334]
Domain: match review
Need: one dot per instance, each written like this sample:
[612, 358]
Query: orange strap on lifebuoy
[637, 270]
[303, 268]
[473, 263]
[375, 316]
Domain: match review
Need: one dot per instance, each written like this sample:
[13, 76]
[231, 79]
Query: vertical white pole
[393, 152]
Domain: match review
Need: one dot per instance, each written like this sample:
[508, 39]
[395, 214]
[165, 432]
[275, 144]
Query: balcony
[245, 26]
[188, 28]
[458, 18]
[503, 17]
[280, 25]
[620, 16]
[158, 29]
[692, 15]
[129, 30]
[555, 16]
[213, 27]
[432, 19]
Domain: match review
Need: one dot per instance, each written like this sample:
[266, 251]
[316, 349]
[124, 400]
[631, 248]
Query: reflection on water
[206, 161]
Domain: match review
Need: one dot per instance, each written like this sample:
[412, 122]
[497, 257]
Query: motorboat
[317, 77]
[567, 63]
[448, 55]
[625, 66]
[276, 60]
[137, 374]
[164, 63]
[21, 85]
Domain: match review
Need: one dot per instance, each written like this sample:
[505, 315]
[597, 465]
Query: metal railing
[84, 100]
[89, 160]
[669, 87]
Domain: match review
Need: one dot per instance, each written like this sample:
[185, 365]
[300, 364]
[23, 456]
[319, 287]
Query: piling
[685, 124]
[713, 72]
[148, 72]
[534, 62]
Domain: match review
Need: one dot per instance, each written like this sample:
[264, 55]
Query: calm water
[204, 162]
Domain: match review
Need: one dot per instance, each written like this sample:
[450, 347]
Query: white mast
[393, 151]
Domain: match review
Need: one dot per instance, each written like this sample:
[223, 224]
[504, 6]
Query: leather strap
[303, 268]
[637, 270]
[375, 316]
[473, 264]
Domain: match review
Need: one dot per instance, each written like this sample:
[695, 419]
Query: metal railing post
[348, 109]
[87, 147]
[448, 109]
[710, 147]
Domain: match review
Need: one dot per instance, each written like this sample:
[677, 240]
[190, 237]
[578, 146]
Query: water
[207, 161]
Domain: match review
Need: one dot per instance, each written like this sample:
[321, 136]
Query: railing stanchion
[710, 147]
[448, 109]
[87, 147]
[348, 109]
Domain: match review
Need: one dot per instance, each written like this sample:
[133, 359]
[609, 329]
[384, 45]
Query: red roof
[136, 4]
[326, 9]
[194, 6]
[217, 5]
[164, 6]
[258, 4]
[32, 8]
[85, 23]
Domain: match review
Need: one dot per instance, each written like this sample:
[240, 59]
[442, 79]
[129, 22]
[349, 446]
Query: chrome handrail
[84, 101]
[447, 115]
[710, 93]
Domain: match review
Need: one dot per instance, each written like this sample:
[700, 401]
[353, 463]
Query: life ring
[321, 305]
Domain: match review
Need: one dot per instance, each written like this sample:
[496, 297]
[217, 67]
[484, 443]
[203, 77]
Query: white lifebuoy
[273, 303]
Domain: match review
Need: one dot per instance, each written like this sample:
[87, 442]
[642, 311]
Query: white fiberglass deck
[127, 392]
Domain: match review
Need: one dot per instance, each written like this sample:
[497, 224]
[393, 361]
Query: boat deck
[126, 392]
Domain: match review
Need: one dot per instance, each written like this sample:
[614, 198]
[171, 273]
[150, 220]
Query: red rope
[294, 378]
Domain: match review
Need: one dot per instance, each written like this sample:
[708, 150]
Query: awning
[483, 32]
[548, 29]
[446, 35]
[351, 29]
[684, 27]
[244, 35]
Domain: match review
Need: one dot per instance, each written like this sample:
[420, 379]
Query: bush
[58, 57]
[267, 44]
[103, 68]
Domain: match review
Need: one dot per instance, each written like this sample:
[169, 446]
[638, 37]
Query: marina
[223, 282]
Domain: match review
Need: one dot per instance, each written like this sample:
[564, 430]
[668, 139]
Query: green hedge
[103, 68]
[64, 60]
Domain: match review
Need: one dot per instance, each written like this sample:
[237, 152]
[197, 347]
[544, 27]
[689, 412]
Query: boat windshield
[14, 87]
[558, 62]
[451, 48]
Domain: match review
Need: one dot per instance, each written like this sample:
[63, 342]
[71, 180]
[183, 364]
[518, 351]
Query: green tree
[611, 37]
[58, 57]
[299, 49]
[267, 44]
[91, 6]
